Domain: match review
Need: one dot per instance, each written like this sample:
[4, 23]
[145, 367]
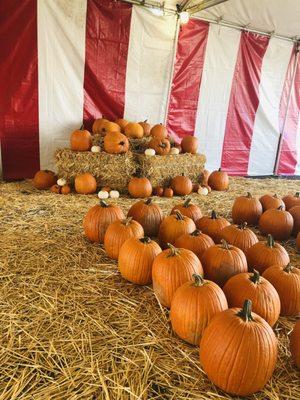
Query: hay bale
[114, 170]
[136, 145]
[161, 169]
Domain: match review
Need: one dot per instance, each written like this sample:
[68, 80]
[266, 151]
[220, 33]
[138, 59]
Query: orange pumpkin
[263, 254]
[118, 232]
[182, 185]
[295, 213]
[148, 214]
[171, 269]
[246, 209]
[196, 241]
[286, 281]
[85, 183]
[239, 236]
[193, 306]
[212, 226]
[222, 261]
[115, 143]
[291, 200]
[265, 299]
[146, 127]
[161, 146]
[139, 187]
[44, 179]
[174, 226]
[135, 260]
[98, 126]
[81, 140]
[278, 223]
[159, 131]
[218, 180]
[65, 189]
[168, 192]
[109, 126]
[267, 201]
[189, 144]
[238, 351]
[189, 210]
[134, 130]
[122, 123]
[55, 189]
[98, 218]
[295, 344]
[158, 191]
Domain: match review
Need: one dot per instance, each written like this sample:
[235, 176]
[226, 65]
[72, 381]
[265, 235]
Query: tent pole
[281, 135]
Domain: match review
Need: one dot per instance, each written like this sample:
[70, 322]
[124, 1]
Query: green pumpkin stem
[275, 196]
[288, 268]
[197, 232]
[82, 127]
[224, 244]
[148, 201]
[214, 215]
[145, 240]
[280, 208]
[245, 312]
[103, 203]
[198, 280]
[173, 250]
[255, 278]
[297, 194]
[249, 195]
[187, 202]
[243, 225]
[270, 241]
[145, 120]
[178, 215]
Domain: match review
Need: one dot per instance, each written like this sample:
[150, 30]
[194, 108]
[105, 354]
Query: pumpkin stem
[245, 312]
[275, 196]
[198, 280]
[163, 145]
[173, 250]
[122, 143]
[145, 239]
[255, 278]
[82, 127]
[126, 221]
[187, 202]
[249, 195]
[280, 208]
[288, 268]
[243, 225]
[219, 169]
[103, 203]
[148, 201]
[224, 244]
[213, 215]
[145, 120]
[270, 241]
[178, 215]
[297, 194]
[197, 232]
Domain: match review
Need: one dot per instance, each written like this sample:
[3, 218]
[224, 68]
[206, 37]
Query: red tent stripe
[187, 76]
[244, 101]
[19, 128]
[107, 39]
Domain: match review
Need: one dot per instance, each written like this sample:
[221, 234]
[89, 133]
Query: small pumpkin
[139, 187]
[218, 180]
[196, 241]
[118, 232]
[81, 140]
[172, 227]
[44, 179]
[295, 213]
[158, 191]
[264, 297]
[96, 149]
[291, 200]
[98, 126]
[286, 281]
[115, 143]
[246, 209]
[66, 189]
[55, 189]
[103, 194]
[196, 187]
[146, 127]
[174, 151]
[161, 146]
[122, 123]
[263, 254]
[212, 226]
[193, 306]
[188, 209]
[278, 223]
[236, 344]
[148, 214]
[106, 189]
[109, 126]
[295, 344]
[189, 144]
[171, 269]
[85, 183]
[239, 236]
[135, 260]
[150, 152]
[159, 131]
[168, 192]
[134, 130]
[268, 201]
[222, 261]
[98, 218]
[182, 185]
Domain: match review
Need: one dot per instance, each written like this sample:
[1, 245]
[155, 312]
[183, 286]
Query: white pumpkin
[96, 149]
[203, 190]
[174, 151]
[150, 152]
[103, 194]
[61, 182]
[114, 194]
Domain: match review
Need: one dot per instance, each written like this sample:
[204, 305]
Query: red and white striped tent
[230, 76]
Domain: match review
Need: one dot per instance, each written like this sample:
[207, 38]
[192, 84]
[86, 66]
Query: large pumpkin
[291, 200]
[263, 254]
[98, 218]
[139, 187]
[193, 305]
[238, 351]
[278, 223]
[196, 241]
[159, 131]
[134, 130]
[295, 213]
[218, 180]
[295, 344]
[118, 232]
[264, 297]
[135, 260]
[174, 226]
[115, 143]
[44, 179]
[268, 201]
[98, 126]
[239, 236]
[222, 261]
[212, 226]
[122, 123]
[189, 144]
[85, 183]
[171, 269]
[148, 214]
[182, 185]
[189, 210]
[81, 140]
[286, 281]
[160, 145]
[146, 127]
[246, 209]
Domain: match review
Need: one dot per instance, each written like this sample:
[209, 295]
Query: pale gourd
[174, 151]
[96, 149]
[103, 194]
[150, 152]
[114, 194]
[61, 182]
[203, 190]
